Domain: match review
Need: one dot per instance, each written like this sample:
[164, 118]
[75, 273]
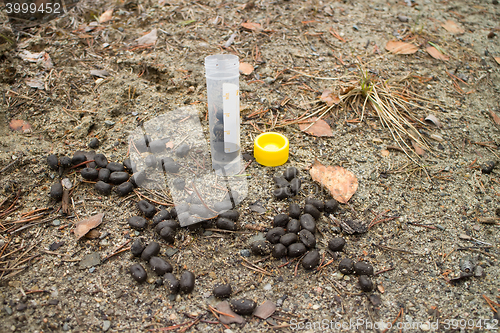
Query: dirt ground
[431, 213]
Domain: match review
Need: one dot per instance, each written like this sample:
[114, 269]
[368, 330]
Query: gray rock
[92, 259]
[106, 325]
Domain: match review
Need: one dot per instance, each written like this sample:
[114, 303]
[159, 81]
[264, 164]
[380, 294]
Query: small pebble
[273, 236]
[151, 250]
[307, 238]
[137, 222]
[179, 183]
[310, 260]
[233, 215]
[223, 291]
[226, 224]
[307, 222]
[243, 306]
[100, 160]
[281, 220]
[115, 167]
[118, 177]
[161, 216]
[261, 247]
[336, 244]
[171, 282]
[279, 251]
[124, 188]
[89, 173]
[290, 173]
[312, 210]
[245, 253]
[296, 250]
[186, 282]
[346, 266]
[138, 273]
[94, 143]
[316, 203]
[104, 175]
[294, 211]
[56, 191]
[56, 222]
[288, 239]
[363, 268]
[106, 324]
[160, 266]
[137, 247]
[182, 150]
[295, 185]
[53, 162]
[331, 206]
[167, 234]
[21, 307]
[365, 283]
[146, 208]
[102, 187]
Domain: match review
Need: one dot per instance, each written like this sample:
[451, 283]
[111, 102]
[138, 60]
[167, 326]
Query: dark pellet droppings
[226, 224]
[363, 268]
[146, 208]
[307, 222]
[65, 161]
[167, 234]
[53, 162]
[488, 167]
[230, 214]
[282, 193]
[307, 238]
[89, 173]
[102, 187]
[281, 220]
[316, 203]
[118, 177]
[336, 244]
[365, 283]
[290, 173]
[293, 226]
[294, 211]
[243, 306]
[160, 266]
[281, 182]
[182, 150]
[313, 211]
[223, 291]
[90, 157]
[279, 251]
[78, 158]
[295, 185]
[94, 143]
[142, 143]
[172, 224]
[171, 282]
[331, 206]
[151, 161]
[296, 250]
[127, 163]
[346, 266]
[273, 236]
[179, 183]
[115, 166]
[137, 222]
[151, 250]
[104, 175]
[100, 160]
[137, 247]
[56, 191]
[223, 205]
[173, 213]
[310, 260]
[171, 167]
[157, 146]
[124, 188]
[261, 247]
[186, 282]
[138, 178]
[288, 239]
[161, 216]
[138, 273]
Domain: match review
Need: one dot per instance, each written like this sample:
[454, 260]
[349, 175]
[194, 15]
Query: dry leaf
[397, 47]
[99, 73]
[252, 26]
[148, 39]
[233, 318]
[34, 83]
[265, 310]
[341, 183]
[169, 145]
[246, 68]
[497, 59]
[495, 117]
[436, 54]
[20, 125]
[433, 119]
[418, 148]
[93, 234]
[42, 57]
[453, 27]
[329, 98]
[83, 226]
[106, 16]
[319, 127]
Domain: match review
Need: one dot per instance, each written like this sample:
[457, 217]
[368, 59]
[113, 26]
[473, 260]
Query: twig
[394, 321]
[216, 316]
[115, 253]
[489, 301]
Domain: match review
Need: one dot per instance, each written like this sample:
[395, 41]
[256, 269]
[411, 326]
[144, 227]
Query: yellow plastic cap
[271, 149]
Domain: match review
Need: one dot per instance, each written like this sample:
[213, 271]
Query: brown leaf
[329, 98]
[225, 308]
[341, 183]
[418, 148]
[246, 68]
[436, 54]
[93, 234]
[148, 39]
[106, 16]
[265, 310]
[83, 226]
[169, 145]
[319, 127]
[20, 125]
[453, 27]
[252, 26]
[497, 59]
[398, 47]
[495, 117]
[34, 83]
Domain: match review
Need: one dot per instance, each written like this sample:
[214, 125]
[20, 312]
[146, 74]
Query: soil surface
[431, 209]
